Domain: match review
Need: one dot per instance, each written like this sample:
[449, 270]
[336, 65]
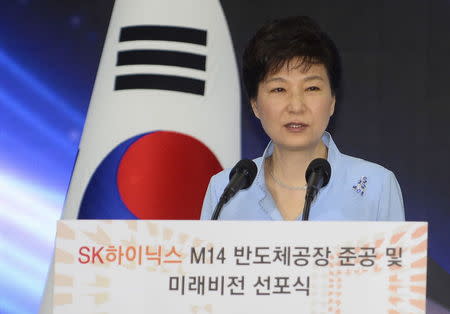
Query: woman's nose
[296, 102]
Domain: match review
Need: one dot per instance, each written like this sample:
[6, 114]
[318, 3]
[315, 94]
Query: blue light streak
[28, 225]
[34, 121]
[16, 283]
[18, 258]
[39, 203]
[11, 307]
[7, 63]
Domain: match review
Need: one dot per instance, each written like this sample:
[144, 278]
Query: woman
[291, 72]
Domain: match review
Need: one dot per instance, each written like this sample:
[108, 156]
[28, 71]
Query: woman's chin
[299, 145]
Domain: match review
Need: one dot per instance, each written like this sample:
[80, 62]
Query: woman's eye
[312, 88]
[277, 90]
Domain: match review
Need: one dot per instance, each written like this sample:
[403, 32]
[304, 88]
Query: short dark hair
[280, 41]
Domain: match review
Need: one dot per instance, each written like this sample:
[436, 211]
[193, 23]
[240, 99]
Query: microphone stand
[317, 176]
[242, 179]
[315, 182]
[218, 209]
[306, 208]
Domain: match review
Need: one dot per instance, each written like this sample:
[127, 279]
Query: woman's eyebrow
[306, 79]
[275, 79]
[313, 77]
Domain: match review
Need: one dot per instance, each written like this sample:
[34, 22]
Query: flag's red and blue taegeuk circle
[157, 175]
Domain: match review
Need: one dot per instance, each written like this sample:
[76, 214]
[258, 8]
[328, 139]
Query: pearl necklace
[289, 187]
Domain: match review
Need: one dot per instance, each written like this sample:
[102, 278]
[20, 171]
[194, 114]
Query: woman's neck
[290, 166]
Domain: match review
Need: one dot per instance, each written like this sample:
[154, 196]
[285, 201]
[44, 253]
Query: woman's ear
[254, 107]
[333, 105]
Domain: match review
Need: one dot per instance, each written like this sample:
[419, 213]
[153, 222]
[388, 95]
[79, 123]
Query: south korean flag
[164, 114]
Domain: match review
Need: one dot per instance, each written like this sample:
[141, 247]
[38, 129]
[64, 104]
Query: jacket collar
[265, 199]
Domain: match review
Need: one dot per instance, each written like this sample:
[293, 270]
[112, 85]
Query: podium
[218, 267]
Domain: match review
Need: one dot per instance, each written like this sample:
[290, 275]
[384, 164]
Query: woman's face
[295, 105]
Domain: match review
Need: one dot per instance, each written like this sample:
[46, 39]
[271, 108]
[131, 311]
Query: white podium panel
[222, 267]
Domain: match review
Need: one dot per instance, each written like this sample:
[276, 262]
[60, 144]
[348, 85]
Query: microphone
[241, 177]
[317, 176]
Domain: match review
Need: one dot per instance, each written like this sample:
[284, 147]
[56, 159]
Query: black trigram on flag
[162, 57]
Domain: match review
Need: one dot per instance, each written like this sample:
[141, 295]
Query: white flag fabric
[164, 115]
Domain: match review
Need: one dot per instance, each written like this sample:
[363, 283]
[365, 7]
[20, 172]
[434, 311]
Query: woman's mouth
[296, 126]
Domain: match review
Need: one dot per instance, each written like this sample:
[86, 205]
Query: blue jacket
[358, 190]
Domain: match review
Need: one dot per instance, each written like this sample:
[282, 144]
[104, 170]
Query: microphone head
[319, 165]
[248, 168]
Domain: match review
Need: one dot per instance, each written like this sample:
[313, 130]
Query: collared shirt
[357, 190]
